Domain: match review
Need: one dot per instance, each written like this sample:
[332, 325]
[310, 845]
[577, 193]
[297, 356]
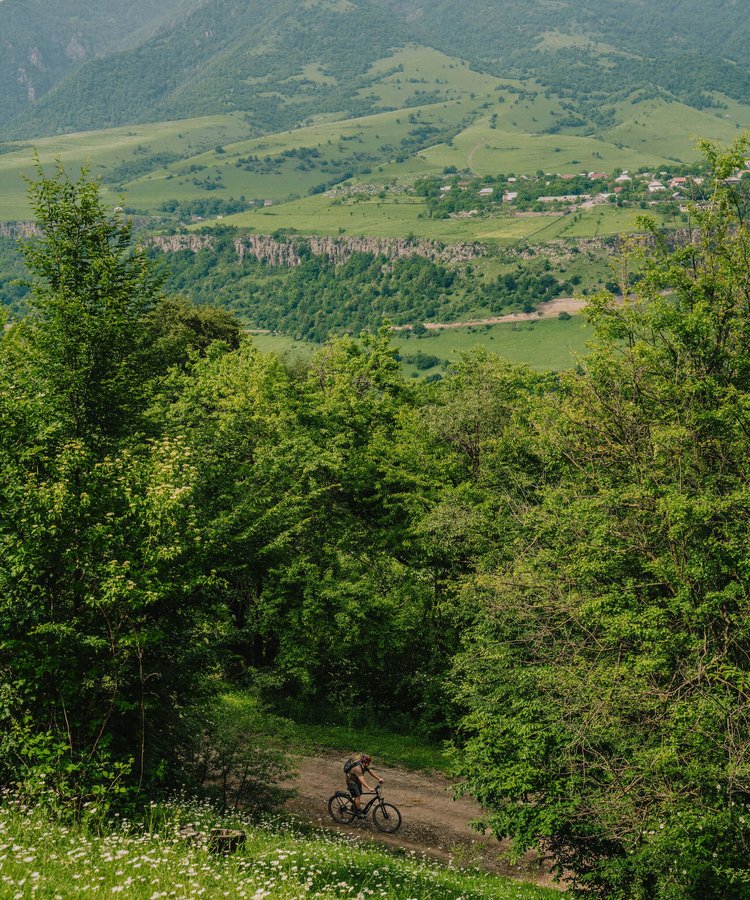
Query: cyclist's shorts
[354, 788]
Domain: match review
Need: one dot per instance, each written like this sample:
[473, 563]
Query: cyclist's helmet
[366, 759]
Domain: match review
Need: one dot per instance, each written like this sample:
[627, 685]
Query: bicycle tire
[386, 818]
[341, 809]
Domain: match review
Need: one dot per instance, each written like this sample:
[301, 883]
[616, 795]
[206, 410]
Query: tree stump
[225, 840]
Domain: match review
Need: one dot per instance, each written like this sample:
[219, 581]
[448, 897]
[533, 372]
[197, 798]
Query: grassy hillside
[108, 152]
[146, 167]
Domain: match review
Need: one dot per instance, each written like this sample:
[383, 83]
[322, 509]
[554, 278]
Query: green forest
[547, 571]
[319, 297]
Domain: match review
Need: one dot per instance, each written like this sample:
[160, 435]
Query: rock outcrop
[292, 251]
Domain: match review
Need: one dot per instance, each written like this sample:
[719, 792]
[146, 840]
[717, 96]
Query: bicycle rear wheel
[387, 818]
[341, 809]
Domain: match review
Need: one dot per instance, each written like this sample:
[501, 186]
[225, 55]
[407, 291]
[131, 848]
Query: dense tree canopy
[605, 679]
[552, 570]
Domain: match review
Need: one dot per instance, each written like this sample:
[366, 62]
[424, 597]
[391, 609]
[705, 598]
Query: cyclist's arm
[375, 774]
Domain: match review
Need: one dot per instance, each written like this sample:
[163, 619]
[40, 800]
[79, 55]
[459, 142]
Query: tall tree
[606, 682]
[98, 601]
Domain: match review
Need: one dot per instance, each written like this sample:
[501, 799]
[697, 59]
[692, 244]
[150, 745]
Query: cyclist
[355, 769]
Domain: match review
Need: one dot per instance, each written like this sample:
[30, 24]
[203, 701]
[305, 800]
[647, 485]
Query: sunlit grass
[42, 857]
[545, 344]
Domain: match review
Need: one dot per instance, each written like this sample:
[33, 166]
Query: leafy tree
[605, 682]
[98, 598]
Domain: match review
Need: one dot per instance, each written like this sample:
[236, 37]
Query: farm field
[398, 216]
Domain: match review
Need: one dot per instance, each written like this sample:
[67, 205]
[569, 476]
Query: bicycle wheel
[387, 818]
[341, 809]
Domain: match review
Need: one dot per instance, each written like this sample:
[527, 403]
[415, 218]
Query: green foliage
[604, 682]
[232, 753]
[409, 751]
[89, 297]
[179, 510]
[99, 598]
[319, 298]
[12, 274]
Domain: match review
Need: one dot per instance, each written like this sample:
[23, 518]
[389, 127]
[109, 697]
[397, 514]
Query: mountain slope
[42, 42]
[591, 48]
[226, 55]
[285, 61]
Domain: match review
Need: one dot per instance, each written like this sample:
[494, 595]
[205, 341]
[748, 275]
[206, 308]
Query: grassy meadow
[43, 857]
[545, 344]
[102, 152]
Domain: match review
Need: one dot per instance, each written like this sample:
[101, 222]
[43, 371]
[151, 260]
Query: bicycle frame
[375, 799]
[342, 809]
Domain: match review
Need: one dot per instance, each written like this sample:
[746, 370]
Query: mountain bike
[386, 817]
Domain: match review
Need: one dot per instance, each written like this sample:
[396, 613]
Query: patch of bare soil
[434, 824]
[546, 310]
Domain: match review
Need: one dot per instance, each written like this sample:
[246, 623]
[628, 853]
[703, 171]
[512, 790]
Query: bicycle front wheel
[341, 809]
[387, 818]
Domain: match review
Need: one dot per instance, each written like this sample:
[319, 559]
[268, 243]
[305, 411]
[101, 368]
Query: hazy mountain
[78, 65]
[44, 41]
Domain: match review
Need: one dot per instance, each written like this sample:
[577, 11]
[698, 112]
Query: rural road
[434, 823]
[546, 310]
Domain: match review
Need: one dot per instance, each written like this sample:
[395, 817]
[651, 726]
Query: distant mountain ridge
[43, 42]
[77, 65]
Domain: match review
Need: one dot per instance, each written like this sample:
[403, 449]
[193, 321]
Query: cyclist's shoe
[361, 815]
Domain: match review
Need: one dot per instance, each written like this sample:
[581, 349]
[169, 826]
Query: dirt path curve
[546, 310]
[433, 823]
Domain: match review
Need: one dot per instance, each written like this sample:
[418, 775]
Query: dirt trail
[546, 310]
[433, 823]
[470, 157]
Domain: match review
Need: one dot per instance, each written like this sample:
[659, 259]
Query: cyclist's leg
[355, 789]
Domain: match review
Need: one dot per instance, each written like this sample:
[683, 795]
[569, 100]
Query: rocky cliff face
[18, 229]
[292, 252]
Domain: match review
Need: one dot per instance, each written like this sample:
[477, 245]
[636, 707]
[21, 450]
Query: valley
[446, 154]
[375, 388]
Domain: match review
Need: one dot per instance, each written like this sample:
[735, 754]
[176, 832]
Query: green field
[547, 344]
[398, 216]
[437, 112]
[103, 151]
